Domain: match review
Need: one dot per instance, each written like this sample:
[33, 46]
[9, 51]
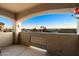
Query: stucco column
[77, 17]
[77, 26]
[17, 30]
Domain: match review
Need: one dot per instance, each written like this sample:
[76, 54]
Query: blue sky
[6, 21]
[49, 21]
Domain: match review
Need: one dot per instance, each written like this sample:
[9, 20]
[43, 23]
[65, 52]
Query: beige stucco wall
[63, 44]
[25, 38]
[39, 40]
[6, 39]
[35, 39]
[56, 44]
[78, 26]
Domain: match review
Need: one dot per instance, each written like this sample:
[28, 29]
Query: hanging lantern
[76, 11]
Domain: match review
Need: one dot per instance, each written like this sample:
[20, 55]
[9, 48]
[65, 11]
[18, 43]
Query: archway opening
[6, 24]
[60, 23]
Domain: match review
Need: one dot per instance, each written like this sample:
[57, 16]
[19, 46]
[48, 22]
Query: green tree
[43, 29]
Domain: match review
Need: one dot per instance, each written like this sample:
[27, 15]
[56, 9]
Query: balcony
[19, 43]
[39, 44]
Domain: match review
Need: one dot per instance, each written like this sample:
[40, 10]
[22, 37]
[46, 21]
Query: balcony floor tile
[21, 50]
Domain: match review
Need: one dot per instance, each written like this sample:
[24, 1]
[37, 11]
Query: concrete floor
[21, 50]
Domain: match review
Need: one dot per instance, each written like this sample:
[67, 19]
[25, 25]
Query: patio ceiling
[20, 10]
[16, 8]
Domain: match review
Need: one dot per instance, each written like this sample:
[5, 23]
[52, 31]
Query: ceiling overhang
[20, 10]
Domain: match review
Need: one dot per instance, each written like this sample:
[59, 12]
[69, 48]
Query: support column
[77, 18]
[17, 30]
[77, 26]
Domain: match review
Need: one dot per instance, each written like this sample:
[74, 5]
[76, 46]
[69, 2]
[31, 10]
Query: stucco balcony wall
[63, 44]
[25, 38]
[39, 40]
[35, 39]
[6, 39]
[55, 44]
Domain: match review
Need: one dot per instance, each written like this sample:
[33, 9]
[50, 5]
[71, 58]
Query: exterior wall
[6, 39]
[1, 27]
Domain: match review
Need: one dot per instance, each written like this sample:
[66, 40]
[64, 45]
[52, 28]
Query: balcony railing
[54, 43]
